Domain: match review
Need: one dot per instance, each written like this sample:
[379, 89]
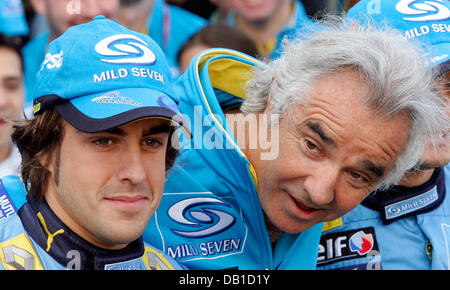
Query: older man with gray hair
[347, 110]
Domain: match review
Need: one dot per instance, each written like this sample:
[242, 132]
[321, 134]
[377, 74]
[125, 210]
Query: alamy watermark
[245, 131]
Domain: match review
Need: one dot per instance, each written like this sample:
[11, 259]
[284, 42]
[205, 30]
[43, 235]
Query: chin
[296, 228]
[122, 238]
[126, 233]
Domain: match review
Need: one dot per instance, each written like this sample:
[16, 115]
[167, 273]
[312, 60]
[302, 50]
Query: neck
[136, 16]
[274, 232]
[5, 151]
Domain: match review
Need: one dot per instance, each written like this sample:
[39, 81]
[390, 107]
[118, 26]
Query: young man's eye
[152, 142]
[103, 142]
[12, 85]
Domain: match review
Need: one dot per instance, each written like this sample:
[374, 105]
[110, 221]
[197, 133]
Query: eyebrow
[157, 130]
[378, 170]
[152, 131]
[316, 128]
[12, 78]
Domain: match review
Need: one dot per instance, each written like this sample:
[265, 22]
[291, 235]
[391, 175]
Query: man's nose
[321, 185]
[132, 168]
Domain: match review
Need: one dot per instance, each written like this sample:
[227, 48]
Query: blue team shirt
[408, 229]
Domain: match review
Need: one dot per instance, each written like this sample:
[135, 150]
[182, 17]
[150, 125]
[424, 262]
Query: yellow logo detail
[332, 224]
[36, 107]
[18, 254]
[50, 235]
[154, 260]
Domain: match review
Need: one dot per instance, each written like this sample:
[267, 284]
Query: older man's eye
[358, 177]
[312, 147]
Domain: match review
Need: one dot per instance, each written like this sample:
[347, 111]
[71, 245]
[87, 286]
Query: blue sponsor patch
[412, 204]
[135, 264]
[7, 206]
[203, 225]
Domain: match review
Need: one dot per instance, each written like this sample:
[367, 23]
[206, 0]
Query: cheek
[16, 104]
[156, 173]
[347, 199]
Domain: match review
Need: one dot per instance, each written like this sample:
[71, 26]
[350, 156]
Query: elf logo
[341, 246]
[361, 242]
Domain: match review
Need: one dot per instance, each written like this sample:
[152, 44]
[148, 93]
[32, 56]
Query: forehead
[10, 60]
[141, 127]
[335, 112]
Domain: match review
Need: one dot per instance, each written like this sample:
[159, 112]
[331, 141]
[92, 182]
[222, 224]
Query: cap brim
[107, 110]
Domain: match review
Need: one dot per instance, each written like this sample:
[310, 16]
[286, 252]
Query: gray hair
[393, 68]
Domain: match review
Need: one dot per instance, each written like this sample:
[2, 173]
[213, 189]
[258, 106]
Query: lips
[128, 202]
[303, 207]
[302, 210]
[126, 198]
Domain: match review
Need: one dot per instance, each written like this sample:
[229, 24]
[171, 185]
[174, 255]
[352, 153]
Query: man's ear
[39, 6]
[45, 160]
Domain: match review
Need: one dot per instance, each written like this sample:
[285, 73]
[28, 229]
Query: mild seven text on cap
[123, 73]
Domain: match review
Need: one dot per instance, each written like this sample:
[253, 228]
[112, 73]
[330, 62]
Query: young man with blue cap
[94, 157]
[408, 225]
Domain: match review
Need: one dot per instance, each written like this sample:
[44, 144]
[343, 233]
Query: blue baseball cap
[427, 22]
[101, 75]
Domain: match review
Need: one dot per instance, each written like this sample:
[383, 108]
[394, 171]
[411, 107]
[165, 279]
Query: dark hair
[42, 135]
[14, 43]
[221, 35]
[34, 138]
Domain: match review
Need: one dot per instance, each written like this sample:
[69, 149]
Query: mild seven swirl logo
[419, 11]
[201, 216]
[125, 49]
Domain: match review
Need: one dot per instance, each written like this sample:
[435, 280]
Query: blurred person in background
[170, 26]
[12, 18]
[215, 35]
[11, 102]
[267, 22]
[60, 15]
[223, 7]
